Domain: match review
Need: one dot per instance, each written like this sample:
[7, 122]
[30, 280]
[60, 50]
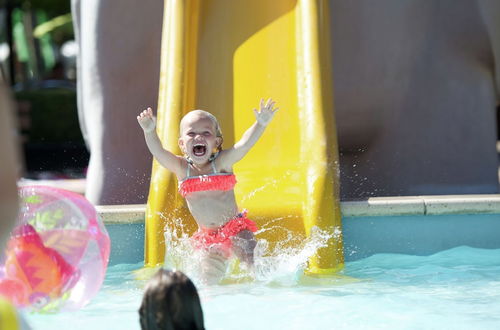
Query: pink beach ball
[57, 255]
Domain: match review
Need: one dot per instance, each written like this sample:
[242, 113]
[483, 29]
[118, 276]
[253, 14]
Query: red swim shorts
[206, 238]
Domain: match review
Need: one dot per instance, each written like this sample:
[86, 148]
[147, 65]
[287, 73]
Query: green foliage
[54, 116]
[51, 25]
[52, 7]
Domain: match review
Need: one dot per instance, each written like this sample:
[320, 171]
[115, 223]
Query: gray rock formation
[415, 95]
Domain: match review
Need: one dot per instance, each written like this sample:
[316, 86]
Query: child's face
[198, 138]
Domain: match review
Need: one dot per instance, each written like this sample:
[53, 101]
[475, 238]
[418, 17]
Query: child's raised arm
[167, 159]
[251, 136]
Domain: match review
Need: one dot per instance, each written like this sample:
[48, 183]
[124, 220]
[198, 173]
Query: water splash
[280, 265]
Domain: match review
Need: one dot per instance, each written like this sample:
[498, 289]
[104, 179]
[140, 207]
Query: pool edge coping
[374, 206]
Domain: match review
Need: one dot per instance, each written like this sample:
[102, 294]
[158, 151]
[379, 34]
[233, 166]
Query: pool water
[453, 289]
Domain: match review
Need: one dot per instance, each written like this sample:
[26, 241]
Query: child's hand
[147, 120]
[266, 113]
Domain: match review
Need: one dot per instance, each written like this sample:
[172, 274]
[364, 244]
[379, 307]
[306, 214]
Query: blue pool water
[457, 288]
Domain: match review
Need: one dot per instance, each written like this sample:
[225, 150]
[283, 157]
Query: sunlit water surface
[453, 289]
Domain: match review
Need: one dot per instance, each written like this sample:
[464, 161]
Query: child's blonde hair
[205, 114]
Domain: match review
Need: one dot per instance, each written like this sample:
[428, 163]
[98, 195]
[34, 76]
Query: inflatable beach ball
[57, 255]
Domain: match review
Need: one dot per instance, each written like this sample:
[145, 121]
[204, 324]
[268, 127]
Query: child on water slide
[206, 181]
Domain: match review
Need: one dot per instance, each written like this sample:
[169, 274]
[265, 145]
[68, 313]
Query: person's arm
[167, 159]
[251, 136]
[9, 167]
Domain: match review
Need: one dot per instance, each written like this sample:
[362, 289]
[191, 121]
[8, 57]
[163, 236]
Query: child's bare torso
[212, 209]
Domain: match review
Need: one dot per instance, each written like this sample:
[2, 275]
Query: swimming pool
[417, 264]
[454, 289]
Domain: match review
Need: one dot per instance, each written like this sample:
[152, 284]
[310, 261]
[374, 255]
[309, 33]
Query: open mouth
[199, 150]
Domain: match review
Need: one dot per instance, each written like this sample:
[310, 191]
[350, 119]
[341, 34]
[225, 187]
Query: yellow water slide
[223, 56]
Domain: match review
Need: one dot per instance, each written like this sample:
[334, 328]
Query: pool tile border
[121, 214]
[422, 205]
[375, 206]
